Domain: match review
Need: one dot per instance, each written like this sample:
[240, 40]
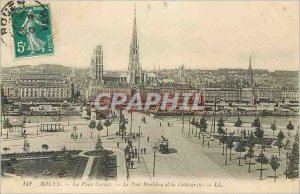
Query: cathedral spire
[134, 41]
[134, 68]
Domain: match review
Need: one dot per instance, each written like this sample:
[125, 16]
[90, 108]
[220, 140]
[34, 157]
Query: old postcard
[149, 96]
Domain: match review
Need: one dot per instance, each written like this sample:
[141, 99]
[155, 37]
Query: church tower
[97, 64]
[134, 68]
[250, 74]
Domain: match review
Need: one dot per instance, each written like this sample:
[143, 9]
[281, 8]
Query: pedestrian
[144, 150]
[72, 136]
[80, 135]
[141, 150]
[148, 138]
[118, 144]
[141, 134]
[160, 124]
[208, 144]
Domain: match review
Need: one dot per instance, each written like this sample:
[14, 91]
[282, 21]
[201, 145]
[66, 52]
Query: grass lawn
[98, 153]
[104, 170]
[47, 168]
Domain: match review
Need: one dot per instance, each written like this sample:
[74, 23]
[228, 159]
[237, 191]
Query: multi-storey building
[42, 87]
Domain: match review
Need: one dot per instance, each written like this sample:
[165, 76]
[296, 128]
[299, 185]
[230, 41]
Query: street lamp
[139, 145]
[154, 156]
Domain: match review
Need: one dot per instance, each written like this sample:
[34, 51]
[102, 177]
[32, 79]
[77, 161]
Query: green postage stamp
[32, 31]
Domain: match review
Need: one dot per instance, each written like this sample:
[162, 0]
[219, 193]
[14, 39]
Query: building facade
[42, 87]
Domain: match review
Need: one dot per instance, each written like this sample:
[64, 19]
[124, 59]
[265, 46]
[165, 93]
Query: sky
[198, 34]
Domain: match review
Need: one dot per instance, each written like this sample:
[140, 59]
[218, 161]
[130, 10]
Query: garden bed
[104, 167]
[63, 167]
[38, 154]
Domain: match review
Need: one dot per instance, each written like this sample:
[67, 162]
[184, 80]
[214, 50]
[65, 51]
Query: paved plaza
[188, 158]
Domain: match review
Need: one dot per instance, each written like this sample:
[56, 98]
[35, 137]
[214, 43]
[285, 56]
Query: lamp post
[189, 124]
[139, 145]
[182, 118]
[226, 146]
[154, 156]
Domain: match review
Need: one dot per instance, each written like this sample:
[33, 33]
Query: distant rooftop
[41, 76]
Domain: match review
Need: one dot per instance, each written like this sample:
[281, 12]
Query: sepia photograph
[149, 96]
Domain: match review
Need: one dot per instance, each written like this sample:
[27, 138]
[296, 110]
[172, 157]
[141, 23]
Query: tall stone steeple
[134, 68]
[250, 74]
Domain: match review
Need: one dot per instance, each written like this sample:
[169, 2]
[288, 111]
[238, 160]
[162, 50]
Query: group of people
[75, 136]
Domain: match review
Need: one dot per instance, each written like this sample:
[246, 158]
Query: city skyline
[151, 15]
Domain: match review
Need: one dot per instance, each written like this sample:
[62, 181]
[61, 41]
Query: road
[186, 159]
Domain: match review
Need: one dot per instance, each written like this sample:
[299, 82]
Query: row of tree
[256, 137]
[99, 126]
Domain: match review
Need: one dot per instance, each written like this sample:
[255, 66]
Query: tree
[297, 137]
[203, 127]
[250, 155]
[99, 127]
[3, 97]
[273, 126]
[6, 149]
[72, 93]
[259, 133]
[262, 159]
[220, 124]
[251, 140]
[98, 145]
[229, 145]
[290, 127]
[280, 145]
[220, 131]
[107, 123]
[77, 96]
[274, 163]
[280, 136]
[92, 126]
[256, 123]
[45, 147]
[240, 148]
[238, 123]
[293, 162]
